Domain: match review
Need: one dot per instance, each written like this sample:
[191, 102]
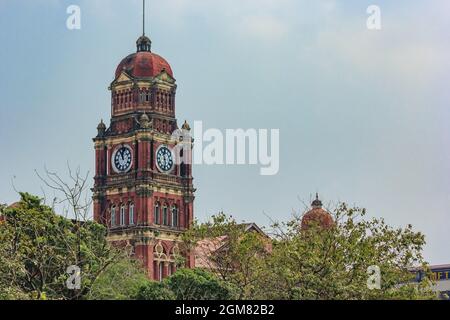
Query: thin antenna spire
[143, 43]
[143, 17]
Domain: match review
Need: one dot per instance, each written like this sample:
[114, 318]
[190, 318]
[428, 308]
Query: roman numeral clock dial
[164, 159]
[122, 159]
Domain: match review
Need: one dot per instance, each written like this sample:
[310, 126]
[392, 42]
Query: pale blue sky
[363, 115]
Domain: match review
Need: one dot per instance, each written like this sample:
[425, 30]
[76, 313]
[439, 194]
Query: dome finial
[316, 203]
[143, 43]
[317, 217]
[145, 122]
[186, 126]
[101, 128]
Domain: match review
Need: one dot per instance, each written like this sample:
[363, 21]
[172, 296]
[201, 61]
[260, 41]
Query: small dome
[145, 122]
[101, 126]
[186, 126]
[317, 215]
[101, 129]
[144, 44]
[145, 118]
[316, 203]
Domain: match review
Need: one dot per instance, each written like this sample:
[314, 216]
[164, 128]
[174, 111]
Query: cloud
[265, 28]
[397, 52]
[255, 17]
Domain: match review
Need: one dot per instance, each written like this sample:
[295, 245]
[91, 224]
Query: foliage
[155, 291]
[37, 247]
[11, 292]
[186, 284]
[230, 252]
[120, 281]
[332, 263]
[317, 263]
[197, 284]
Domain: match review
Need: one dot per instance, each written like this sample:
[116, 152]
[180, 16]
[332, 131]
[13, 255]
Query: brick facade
[142, 205]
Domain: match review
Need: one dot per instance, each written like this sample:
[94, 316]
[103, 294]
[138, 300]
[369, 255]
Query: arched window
[157, 214]
[113, 216]
[172, 268]
[183, 169]
[161, 271]
[131, 214]
[122, 215]
[165, 216]
[174, 216]
[169, 271]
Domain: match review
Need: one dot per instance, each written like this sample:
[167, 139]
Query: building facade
[440, 274]
[143, 189]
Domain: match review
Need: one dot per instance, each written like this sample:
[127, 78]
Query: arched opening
[157, 214]
[175, 216]
[113, 216]
[122, 215]
[165, 215]
[131, 214]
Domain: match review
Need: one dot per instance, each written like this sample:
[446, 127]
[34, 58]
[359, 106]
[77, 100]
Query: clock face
[164, 159]
[122, 159]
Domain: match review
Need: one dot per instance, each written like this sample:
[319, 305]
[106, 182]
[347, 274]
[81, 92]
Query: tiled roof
[143, 65]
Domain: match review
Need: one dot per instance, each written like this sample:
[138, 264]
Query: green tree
[198, 284]
[155, 291]
[332, 263]
[121, 280]
[186, 284]
[230, 250]
[314, 263]
[37, 247]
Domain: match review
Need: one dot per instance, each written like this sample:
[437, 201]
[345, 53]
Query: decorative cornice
[144, 191]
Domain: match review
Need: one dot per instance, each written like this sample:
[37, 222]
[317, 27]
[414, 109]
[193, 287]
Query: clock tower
[143, 188]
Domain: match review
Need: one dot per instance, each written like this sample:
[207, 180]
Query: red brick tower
[142, 193]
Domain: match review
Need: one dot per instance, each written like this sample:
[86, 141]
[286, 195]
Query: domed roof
[317, 215]
[101, 125]
[186, 126]
[143, 64]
